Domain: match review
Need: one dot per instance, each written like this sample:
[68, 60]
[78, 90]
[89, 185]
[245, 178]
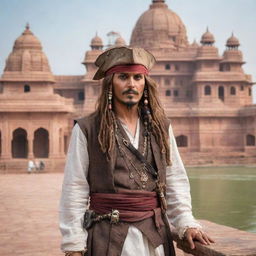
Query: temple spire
[158, 1]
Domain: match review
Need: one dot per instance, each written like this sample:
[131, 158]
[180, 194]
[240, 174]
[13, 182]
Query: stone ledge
[228, 242]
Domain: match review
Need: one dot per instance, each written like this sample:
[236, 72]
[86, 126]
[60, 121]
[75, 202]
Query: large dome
[159, 27]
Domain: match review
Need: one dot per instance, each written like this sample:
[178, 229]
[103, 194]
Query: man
[124, 159]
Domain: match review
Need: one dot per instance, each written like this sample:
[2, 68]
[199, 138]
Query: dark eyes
[124, 76]
[137, 77]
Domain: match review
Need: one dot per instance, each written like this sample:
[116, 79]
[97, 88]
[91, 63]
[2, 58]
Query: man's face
[128, 88]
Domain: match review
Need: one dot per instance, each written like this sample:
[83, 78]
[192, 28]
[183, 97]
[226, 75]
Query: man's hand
[192, 234]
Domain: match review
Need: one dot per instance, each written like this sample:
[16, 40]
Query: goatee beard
[129, 105]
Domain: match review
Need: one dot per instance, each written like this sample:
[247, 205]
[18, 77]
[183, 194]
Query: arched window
[221, 93]
[41, 143]
[168, 93]
[81, 96]
[19, 143]
[177, 67]
[227, 67]
[233, 90]
[167, 66]
[188, 94]
[207, 90]
[182, 141]
[250, 140]
[26, 88]
[167, 81]
[176, 93]
[250, 92]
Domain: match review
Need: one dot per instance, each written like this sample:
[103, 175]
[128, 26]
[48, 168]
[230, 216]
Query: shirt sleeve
[75, 193]
[179, 210]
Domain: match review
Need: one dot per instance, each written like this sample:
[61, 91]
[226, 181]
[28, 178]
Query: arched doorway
[182, 141]
[41, 143]
[221, 93]
[19, 143]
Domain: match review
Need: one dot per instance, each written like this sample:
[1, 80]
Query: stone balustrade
[228, 242]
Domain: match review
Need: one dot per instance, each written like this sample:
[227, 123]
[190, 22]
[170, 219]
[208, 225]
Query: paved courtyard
[29, 219]
[29, 214]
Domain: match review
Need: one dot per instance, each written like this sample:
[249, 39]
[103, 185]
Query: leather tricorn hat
[122, 56]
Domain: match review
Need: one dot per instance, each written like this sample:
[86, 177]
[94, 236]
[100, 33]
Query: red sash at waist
[133, 206]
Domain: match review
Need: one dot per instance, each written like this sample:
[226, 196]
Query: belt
[130, 206]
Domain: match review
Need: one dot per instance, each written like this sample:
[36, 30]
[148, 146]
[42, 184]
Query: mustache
[130, 91]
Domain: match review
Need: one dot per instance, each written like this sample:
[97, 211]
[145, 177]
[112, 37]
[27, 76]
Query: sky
[66, 27]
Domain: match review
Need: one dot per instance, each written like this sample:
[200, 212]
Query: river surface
[225, 195]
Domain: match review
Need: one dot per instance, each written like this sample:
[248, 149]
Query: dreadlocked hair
[106, 136]
[156, 119]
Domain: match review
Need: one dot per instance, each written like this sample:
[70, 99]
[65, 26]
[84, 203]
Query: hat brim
[98, 75]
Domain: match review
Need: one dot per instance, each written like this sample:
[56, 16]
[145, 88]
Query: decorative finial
[207, 29]
[158, 1]
[27, 26]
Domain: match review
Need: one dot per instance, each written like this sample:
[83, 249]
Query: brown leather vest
[114, 175]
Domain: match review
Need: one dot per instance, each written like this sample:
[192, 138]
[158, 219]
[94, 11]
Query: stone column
[30, 144]
[61, 140]
[54, 148]
[6, 138]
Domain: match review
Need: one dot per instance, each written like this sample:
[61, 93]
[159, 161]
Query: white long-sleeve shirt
[75, 196]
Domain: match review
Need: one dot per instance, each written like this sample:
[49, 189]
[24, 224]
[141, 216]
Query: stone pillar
[61, 140]
[6, 141]
[30, 144]
[54, 148]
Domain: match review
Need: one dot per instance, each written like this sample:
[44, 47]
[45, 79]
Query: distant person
[31, 166]
[41, 166]
[37, 165]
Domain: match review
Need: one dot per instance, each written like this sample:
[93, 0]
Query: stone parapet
[220, 77]
[17, 76]
[228, 241]
[36, 103]
[195, 111]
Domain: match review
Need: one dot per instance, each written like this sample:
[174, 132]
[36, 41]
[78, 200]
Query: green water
[225, 195]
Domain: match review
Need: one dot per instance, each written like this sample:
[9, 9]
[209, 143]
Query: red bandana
[133, 68]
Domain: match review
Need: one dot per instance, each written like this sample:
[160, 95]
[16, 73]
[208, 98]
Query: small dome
[97, 41]
[207, 38]
[232, 41]
[27, 41]
[120, 41]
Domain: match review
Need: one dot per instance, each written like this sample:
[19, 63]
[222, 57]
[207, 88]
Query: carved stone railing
[228, 242]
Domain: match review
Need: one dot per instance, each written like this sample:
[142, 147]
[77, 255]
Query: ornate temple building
[207, 96]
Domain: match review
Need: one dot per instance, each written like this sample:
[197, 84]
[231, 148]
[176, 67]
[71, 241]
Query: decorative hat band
[132, 68]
